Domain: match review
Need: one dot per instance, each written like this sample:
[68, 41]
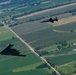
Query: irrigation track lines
[43, 59]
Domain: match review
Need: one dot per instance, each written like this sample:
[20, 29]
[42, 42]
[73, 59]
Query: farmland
[18, 65]
[42, 30]
[47, 46]
[15, 10]
[55, 42]
[44, 38]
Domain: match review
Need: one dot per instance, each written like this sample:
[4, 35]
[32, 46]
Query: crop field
[63, 60]
[70, 66]
[37, 34]
[43, 5]
[51, 12]
[21, 65]
[44, 38]
[15, 7]
[8, 14]
[17, 65]
[3, 0]
[13, 11]
[67, 61]
[56, 42]
[8, 6]
[70, 26]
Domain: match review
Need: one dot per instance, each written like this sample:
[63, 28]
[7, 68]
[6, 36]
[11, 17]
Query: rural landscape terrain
[37, 37]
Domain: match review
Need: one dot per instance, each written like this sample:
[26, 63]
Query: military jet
[50, 20]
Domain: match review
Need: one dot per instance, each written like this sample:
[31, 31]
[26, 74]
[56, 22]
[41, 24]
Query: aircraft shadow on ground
[10, 51]
[50, 20]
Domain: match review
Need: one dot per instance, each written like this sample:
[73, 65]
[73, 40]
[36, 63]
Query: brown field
[64, 21]
[36, 13]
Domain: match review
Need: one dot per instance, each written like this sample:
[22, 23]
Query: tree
[74, 71]
[75, 65]
[59, 47]
[69, 46]
[54, 73]
[13, 37]
[71, 30]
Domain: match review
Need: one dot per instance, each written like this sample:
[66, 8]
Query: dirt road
[45, 11]
[43, 59]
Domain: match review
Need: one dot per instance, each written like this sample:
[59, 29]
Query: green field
[16, 64]
[45, 41]
[25, 7]
[70, 67]
[5, 34]
[39, 32]
[43, 5]
[55, 43]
